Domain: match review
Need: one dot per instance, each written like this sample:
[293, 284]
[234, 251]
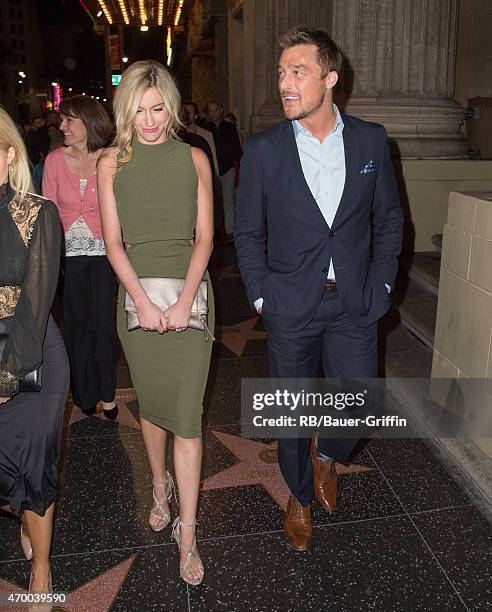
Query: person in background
[54, 132]
[40, 139]
[89, 286]
[231, 117]
[190, 116]
[228, 155]
[56, 137]
[30, 423]
[194, 140]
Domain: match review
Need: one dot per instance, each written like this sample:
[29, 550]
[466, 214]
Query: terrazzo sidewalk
[405, 535]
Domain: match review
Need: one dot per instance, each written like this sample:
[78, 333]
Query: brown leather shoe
[325, 479]
[297, 524]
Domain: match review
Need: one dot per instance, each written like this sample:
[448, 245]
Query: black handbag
[32, 381]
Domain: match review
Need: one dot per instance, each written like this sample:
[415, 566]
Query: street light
[124, 59]
[54, 83]
[144, 28]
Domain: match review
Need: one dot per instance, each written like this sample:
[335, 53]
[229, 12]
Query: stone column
[279, 16]
[399, 70]
[399, 67]
[207, 50]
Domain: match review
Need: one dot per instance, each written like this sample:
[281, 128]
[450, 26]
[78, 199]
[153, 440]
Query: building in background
[409, 65]
[20, 57]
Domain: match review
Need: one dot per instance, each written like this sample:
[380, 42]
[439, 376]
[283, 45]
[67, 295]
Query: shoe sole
[159, 529]
[325, 506]
[299, 548]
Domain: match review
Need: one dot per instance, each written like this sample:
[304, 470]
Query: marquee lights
[160, 12]
[124, 11]
[178, 12]
[107, 14]
[143, 13]
[135, 12]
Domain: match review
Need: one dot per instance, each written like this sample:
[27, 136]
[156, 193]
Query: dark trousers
[89, 329]
[346, 351]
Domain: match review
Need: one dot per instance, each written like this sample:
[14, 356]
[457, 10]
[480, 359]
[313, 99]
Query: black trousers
[89, 328]
[346, 351]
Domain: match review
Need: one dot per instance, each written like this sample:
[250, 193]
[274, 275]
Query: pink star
[235, 337]
[97, 595]
[258, 465]
[125, 417]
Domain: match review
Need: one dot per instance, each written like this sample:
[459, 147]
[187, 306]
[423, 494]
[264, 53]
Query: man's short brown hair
[94, 117]
[328, 55]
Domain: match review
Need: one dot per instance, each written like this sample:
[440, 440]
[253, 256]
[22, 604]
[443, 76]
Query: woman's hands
[178, 316]
[152, 318]
[3, 400]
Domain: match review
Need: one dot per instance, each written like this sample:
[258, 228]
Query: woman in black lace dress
[30, 422]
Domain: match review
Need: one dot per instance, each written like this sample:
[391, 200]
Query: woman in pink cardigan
[69, 180]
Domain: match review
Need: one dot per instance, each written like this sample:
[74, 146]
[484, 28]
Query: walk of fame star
[125, 417]
[258, 466]
[235, 337]
[97, 595]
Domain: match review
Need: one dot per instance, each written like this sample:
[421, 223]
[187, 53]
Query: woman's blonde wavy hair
[19, 173]
[135, 81]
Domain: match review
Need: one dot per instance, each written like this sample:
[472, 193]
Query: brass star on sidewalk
[235, 337]
[258, 465]
[97, 595]
[125, 417]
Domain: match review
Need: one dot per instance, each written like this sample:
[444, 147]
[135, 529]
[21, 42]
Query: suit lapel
[297, 178]
[352, 163]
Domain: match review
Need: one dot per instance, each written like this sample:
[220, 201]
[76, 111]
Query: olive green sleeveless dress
[156, 197]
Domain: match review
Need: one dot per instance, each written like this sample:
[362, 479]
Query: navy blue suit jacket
[284, 244]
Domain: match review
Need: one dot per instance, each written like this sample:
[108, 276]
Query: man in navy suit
[318, 191]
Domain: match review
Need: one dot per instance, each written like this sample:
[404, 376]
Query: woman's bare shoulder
[108, 158]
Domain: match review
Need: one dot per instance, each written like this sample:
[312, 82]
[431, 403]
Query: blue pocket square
[369, 167]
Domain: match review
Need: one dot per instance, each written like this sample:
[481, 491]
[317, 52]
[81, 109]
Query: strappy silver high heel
[191, 553]
[158, 511]
[40, 607]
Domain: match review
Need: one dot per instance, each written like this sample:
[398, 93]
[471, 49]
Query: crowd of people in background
[214, 130]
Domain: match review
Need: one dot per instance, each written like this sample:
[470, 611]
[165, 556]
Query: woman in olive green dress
[156, 210]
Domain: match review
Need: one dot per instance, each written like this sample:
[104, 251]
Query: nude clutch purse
[164, 292]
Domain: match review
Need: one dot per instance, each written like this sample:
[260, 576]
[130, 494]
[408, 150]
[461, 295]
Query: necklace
[78, 170]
